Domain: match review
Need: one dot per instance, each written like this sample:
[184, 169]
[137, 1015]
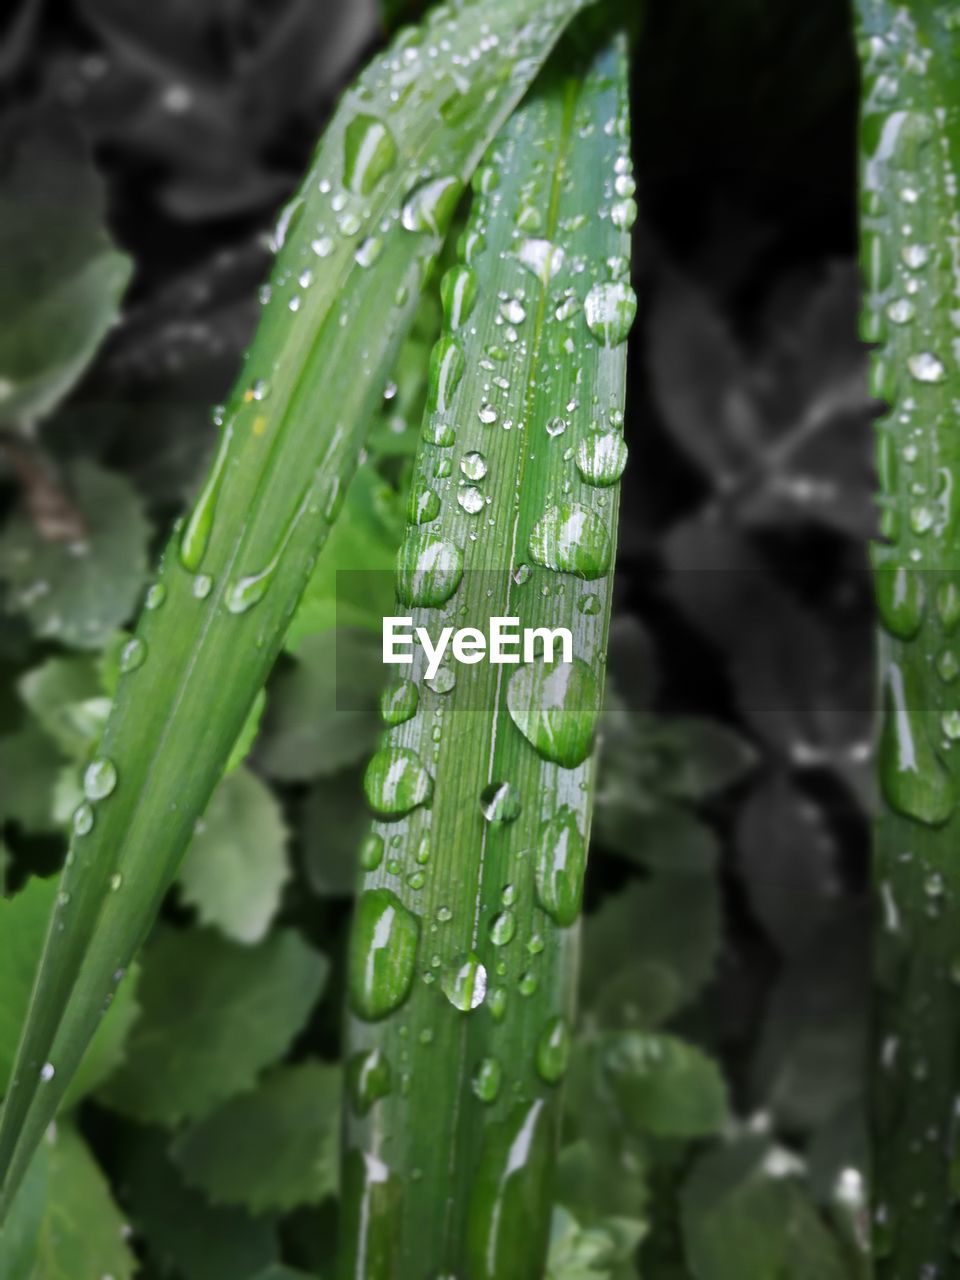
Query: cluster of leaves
[714, 1098]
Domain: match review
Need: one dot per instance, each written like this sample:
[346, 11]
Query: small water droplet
[470, 499]
[399, 702]
[368, 1079]
[155, 596]
[83, 819]
[500, 802]
[202, 586]
[99, 778]
[503, 928]
[487, 1079]
[371, 851]
[430, 206]
[133, 655]
[926, 367]
[473, 465]
[369, 153]
[458, 294]
[553, 1050]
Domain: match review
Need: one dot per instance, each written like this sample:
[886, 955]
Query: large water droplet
[465, 983]
[369, 152]
[446, 369]
[458, 293]
[553, 1050]
[601, 458]
[99, 778]
[555, 706]
[424, 505]
[196, 532]
[899, 594]
[396, 781]
[429, 568]
[572, 539]
[561, 856]
[368, 1079]
[383, 954]
[399, 702]
[430, 206]
[487, 1079]
[915, 782]
[610, 310]
[542, 257]
[473, 465]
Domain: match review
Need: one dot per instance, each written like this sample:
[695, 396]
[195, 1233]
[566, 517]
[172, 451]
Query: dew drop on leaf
[571, 539]
[99, 778]
[396, 781]
[465, 983]
[369, 153]
[382, 955]
[560, 859]
[500, 802]
[610, 310]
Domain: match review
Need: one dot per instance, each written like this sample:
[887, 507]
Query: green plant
[461, 970]
[378, 193]
[910, 166]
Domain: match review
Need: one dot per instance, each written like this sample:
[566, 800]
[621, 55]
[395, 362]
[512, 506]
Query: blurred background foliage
[715, 1102]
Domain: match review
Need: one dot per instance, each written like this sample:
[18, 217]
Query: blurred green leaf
[61, 280]
[214, 1015]
[664, 1086]
[80, 592]
[590, 1253]
[236, 866]
[65, 697]
[333, 821]
[29, 765]
[273, 1149]
[185, 1234]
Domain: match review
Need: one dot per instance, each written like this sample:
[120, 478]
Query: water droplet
[430, 206]
[371, 851]
[948, 604]
[610, 310]
[571, 539]
[521, 574]
[503, 928]
[399, 702]
[950, 723]
[133, 655]
[458, 293]
[465, 984]
[901, 311]
[396, 782]
[369, 153]
[487, 414]
[601, 458]
[429, 568]
[913, 778]
[368, 1079]
[553, 1050]
[202, 586]
[441, 432]
[83, 819]
[915, 256]
[623, 214]
[99, 778]
[116, 880]
[322, 246]
[926, 367]
[555, 706]
[47, 1072]
[487, 1079]
[443, 681]
[542, 257]
[500, 802]
[196, 532]
[446, 369]
[561, 856]
[473, 465]
[424, 506]
[383, 953]
[589, 605]
[899, 593]
[556, 427]
[513, 311]
[155, 596]
[948, 666]
[470, 499]
[368, 251]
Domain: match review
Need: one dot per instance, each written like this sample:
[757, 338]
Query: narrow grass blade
[354, 246]
[463, 957]
[911, 257]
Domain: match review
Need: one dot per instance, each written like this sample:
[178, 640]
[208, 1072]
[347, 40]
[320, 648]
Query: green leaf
[29, 765]
[691, 759]
[590, 1253]
[20, 1233]
[79, 593]
[65, 698]
[664, 1086]
[236, 867]
[214, 1015]
[910, 157]
[61, 280]
[745, 1213]
[463, 954]
[184, 1233]
[274, 1148]
[23, 927]
[666, 838]
[304, 734]
[82, 1232]
[649, 950]
[283, 1273]
[292, 434]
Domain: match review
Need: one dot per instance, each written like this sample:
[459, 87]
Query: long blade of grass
[463, 957]
[354, 246]
[911, 255]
